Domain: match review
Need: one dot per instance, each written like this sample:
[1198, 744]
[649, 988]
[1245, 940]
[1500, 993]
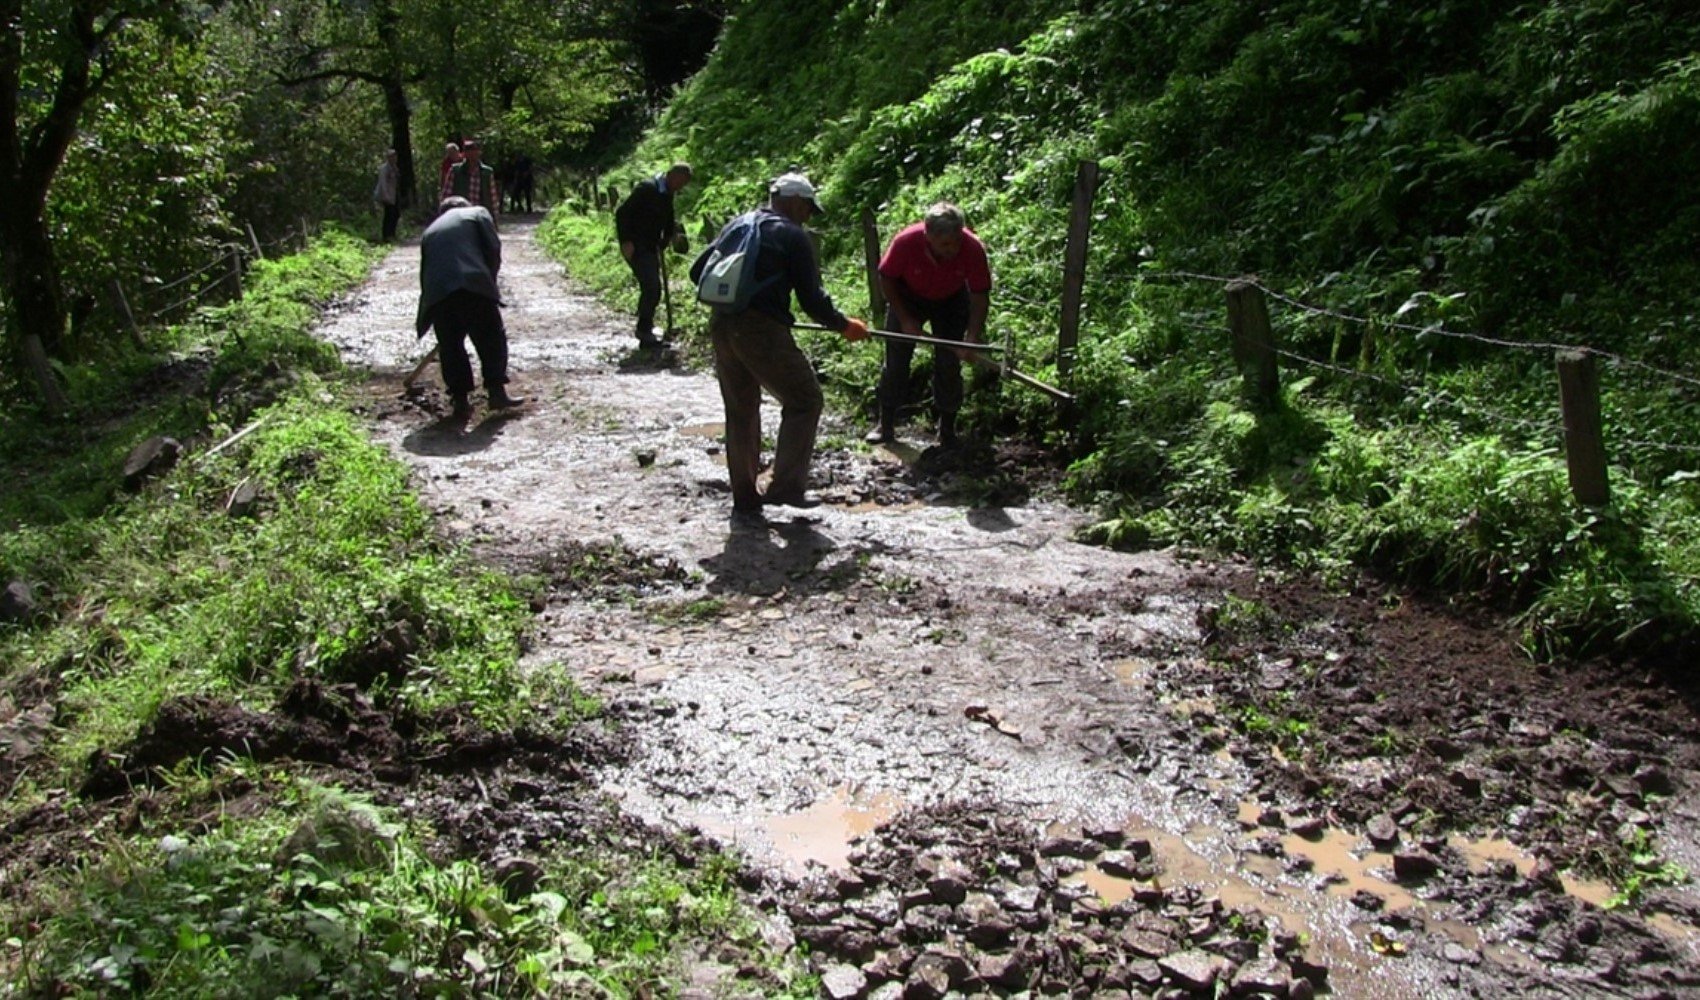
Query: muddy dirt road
[1045, 747]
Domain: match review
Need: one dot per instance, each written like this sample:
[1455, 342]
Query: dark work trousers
[392, 213]
[946, 319]
[752, 352]
[646, 266]
[466, 314]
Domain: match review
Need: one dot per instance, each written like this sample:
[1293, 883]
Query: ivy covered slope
[1440, 191]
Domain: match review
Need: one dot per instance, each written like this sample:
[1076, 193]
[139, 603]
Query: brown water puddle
[824, 832]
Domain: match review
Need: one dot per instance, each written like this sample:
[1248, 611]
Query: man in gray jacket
[460, 255]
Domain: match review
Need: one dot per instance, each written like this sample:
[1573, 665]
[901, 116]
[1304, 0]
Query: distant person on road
[520, 185]
[754, 350]
[933, 272]
[459, 258]
[387, 193]
[645, 225]
[451, 156]
[474, 180]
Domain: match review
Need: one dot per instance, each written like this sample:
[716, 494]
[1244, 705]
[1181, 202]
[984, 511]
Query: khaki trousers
[752, 352]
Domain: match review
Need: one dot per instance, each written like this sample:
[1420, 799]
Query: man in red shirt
[934, 272]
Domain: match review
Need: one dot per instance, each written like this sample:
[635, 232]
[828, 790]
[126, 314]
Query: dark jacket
[459, 251]
[645, 218]
[787, 253]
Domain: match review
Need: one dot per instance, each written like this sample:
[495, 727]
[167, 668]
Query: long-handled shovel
[419, 369]
[978, 358]
[667, 296]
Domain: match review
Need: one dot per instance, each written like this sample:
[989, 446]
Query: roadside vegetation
[1435, 195]
[283, 559]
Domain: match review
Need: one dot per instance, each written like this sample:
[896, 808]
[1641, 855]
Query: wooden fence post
[613, 197]
[871, 248]
[124, 313]
[1584, 433]
[306, 233]
[1074, 264]
[254, 241]
[235, 274]
[1253, 342]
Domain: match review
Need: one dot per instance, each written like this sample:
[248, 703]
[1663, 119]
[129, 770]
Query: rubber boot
[885, 431]
[947, 430]
[500, 399]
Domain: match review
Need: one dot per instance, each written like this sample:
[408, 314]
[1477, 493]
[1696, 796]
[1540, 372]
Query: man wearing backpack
[934, 272]
[644, 224]
[754, 348]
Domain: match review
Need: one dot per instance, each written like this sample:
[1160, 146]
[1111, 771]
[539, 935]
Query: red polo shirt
[909, 261]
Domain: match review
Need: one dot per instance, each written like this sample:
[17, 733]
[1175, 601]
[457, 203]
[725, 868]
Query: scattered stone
[518, 877]
[1193, 970]
[1262, 977]
[17, 603]
[1308, 827]
[1457, 954]
[1066, 846]
[949, 882]
[1414, 865]
[1119, 864]
[1382, 831]
[844, 982]
[244, 500]
[151, 458]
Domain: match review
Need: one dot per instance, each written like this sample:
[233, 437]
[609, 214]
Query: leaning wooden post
[1584, 432]
[1074, 264]
[1253, 342]
[613, 197]
[871, 248]
[254, 241]
[124, 312]
[306, 234]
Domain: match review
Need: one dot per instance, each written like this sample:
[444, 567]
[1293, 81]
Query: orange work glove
[855, 329]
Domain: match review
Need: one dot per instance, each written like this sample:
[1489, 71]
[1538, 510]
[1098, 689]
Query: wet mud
[966, 754]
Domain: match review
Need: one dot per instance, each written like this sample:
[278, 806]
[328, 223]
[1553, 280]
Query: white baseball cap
[796, 186]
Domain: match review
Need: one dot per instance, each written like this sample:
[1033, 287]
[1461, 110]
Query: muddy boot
[500, 400]
[885, 431]
[947, 430]
[462, 407]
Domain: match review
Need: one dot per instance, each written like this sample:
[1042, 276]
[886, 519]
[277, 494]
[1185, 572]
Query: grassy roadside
[283, 553]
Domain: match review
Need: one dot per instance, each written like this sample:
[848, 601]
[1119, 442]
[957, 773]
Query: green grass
[324, 894]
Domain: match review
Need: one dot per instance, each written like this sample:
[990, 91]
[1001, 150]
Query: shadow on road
[451, 435]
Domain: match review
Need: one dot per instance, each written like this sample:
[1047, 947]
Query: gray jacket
[460, 251]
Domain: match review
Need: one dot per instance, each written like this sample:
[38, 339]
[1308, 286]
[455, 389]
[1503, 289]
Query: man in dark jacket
[459, 257]
[754, 350]
[644, 224]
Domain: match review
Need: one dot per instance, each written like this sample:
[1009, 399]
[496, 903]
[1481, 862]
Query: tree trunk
[38, 308]
[401, 139]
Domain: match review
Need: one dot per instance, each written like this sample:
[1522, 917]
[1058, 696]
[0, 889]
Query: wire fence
[1570, 420]
[221, 275]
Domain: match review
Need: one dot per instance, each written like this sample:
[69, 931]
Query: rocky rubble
[956, 901]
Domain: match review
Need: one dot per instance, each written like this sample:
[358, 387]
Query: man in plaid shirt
[473, 179]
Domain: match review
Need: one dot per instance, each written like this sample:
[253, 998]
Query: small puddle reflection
[824, 831]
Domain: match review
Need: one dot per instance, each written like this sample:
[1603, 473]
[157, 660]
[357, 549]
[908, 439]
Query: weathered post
[613, 197]
[124, 313]
[1253, 342]
[235, 273]
[871, 248]
[1584, 433]
[1074, 264]
[254, 241]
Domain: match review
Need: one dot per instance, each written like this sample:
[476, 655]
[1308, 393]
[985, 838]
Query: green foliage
[163, 593]
[326, 895]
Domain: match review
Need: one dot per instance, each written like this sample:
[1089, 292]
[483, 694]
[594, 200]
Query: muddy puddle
[890, 684]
